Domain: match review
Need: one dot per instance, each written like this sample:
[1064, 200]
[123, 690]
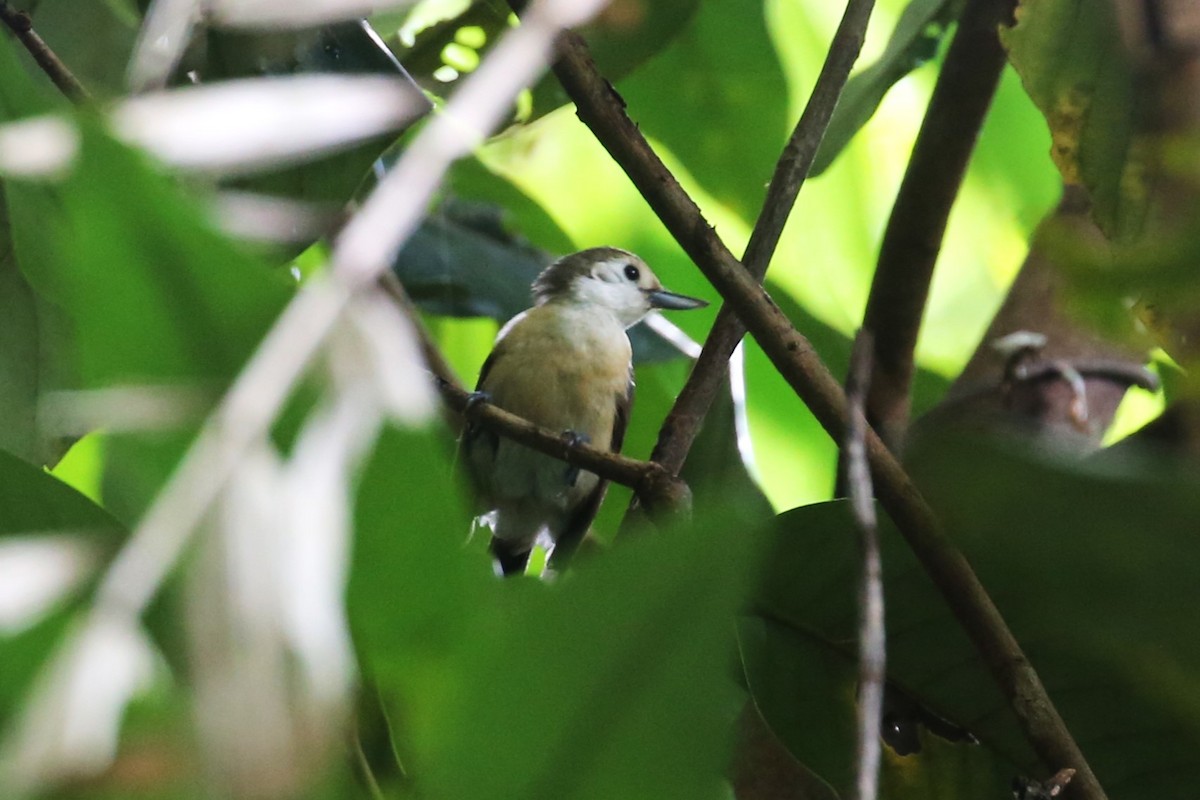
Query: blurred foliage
[622, 677]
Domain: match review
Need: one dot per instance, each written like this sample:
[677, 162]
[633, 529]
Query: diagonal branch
[22, 27]
[679, 430]
[913, 237]
[600, 107]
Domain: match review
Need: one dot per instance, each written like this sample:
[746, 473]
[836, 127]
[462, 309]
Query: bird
[565, 364]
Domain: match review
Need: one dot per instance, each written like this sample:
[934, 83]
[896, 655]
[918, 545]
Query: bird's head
[609, 278]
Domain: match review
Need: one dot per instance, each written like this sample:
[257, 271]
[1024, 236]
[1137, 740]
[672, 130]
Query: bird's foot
[475, 400]
[574, 439]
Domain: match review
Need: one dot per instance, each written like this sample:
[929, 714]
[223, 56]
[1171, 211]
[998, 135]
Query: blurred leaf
[34, 342]
[33, 502]
[154, 295]
[472, 256]
[343, 48]
[720, 109]
[1069, 56]
[413, 586]
[914, 41]
[613, 682]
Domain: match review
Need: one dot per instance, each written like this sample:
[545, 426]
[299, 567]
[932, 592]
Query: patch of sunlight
[82, 468]
[1138, 407]
[789, 475]
[464, 342]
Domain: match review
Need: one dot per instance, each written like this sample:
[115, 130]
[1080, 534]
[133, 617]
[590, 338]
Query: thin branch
[679, 430]
[900, 288]
[602, 109]
[659, 490]
[51, 64]
[872, 651]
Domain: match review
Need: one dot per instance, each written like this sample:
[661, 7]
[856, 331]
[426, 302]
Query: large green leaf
[1070, 57]
[1083, 562]
[799, 649]
[34, 352]
[611, 683]
[515, 688]
[914, 41]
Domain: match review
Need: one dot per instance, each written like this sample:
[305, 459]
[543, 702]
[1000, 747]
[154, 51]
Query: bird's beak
[675, 302]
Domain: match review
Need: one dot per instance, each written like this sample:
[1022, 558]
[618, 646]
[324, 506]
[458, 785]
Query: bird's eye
[631, 272]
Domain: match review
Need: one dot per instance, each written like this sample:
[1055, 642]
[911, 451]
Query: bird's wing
[581, 518]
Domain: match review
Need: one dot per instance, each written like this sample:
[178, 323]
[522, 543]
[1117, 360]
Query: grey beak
[675, 302]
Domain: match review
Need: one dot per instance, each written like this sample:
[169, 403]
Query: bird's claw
[574, 439]
[476, 399]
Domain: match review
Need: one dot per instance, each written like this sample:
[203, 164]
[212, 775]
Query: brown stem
[913, 237]
[22, 27]
[681, 425]
[602, 109]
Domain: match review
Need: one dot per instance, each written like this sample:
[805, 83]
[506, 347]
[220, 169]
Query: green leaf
[152, 293]
[611, 683]
[1099, 604]
[34, 352]
[33, 502]
[1070, 58]
[720, 110]
[914, 41]
[800, 654]
[515, 688]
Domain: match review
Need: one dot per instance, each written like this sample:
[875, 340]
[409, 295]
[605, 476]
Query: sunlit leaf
[720, 110]
[914, 41]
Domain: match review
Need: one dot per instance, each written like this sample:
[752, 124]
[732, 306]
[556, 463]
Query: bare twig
[659, 490]
[51, 64]
[602, 109]
[679, 430]
[931, 182]
[872, 651]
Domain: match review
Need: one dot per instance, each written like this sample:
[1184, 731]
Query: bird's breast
[563, 369]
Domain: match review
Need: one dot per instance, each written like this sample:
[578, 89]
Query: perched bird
[565, 364]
